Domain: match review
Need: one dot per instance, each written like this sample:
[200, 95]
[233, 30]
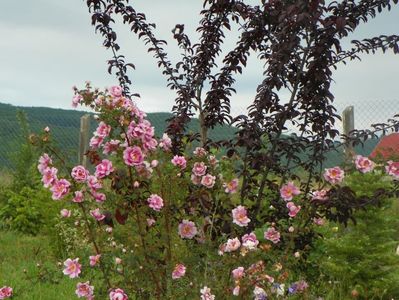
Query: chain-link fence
[64, 126]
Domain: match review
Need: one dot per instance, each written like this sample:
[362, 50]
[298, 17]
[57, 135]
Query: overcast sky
[47, 46]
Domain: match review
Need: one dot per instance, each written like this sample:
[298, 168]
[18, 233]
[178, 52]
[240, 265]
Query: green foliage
[27, 211]
[361, 258]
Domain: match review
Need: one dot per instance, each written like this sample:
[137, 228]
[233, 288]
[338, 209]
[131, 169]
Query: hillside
[64, 126]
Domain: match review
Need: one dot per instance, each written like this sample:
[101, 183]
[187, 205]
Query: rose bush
[165, 225]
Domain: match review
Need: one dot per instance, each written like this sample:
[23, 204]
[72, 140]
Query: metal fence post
[84, 139]
[348, 124]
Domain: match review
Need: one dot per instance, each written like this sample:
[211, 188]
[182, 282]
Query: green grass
[19, 256]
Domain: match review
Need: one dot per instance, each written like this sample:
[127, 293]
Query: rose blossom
[165, 142]
[179, 271]
[78, 197]
[65, 213]
[238, 273]
[76, 100]
[179, 161]
[236, 290]
[104, 168]
[97, 215]
[206, 294]
[272, 235]
[319, 221]
[195, 179]
[155, 202]
[96, 141]
[334, 175]
[5, 292]
[72, 267]
[249, 241]
[102, 130]
[111, 147]
[199, 169]
[363, 164]
[393, 169]
[187, 229]
[79, 173]
[232, 245]
[49, 177]
[44, 162]
[84, 289]
[94, 259]
[60, 188]
[293, 209]
[320, 195]
[118, 294]
[115, 91]
[133, 156]
[240, 216]
[150, 222]
[93, 183]
[208, 181]
[288, 191]
[99, 197]
[200, 152]
[232, 186]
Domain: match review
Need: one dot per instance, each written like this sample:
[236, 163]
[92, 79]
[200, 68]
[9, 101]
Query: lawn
[20, 256]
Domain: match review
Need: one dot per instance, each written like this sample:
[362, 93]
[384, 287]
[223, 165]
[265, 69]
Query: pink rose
[206, 294]
[115, 91]
[118, 294]
[94, 259]
[250, 241]
[96, 142]
[272, 235]
[165, 142]
[102, 130]
[97, 215]
[199, 169]
[111, 147]
[232, 245]
[78, 197]
[155, 202]
[44, 162]
[104, 168]
[238, 273]
[72, 267]
[49, 177]
[200, 152]
[208, 181]
[187, 229]
[240, 216]
[5, 292]
[393, 169]
[363, 164]
[99, 197]
[320, 195]
[179, 271]
[65, 213]
[84, 289]
[195, 179]
[334, 175]
[231, 187]
[179, 161]
[93, 183]
[133, 156]
[60, 188]
[319, 221]
[79, 174]
[293, 209]
[76, 100]
[288, 191]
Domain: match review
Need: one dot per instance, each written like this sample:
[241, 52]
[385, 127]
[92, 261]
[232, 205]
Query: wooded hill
[64, 125]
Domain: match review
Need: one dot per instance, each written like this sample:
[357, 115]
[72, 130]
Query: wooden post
[348, 124]
[84, 139]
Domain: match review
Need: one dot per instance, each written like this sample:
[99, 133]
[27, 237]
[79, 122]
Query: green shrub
[27, 211]
[361, 258]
